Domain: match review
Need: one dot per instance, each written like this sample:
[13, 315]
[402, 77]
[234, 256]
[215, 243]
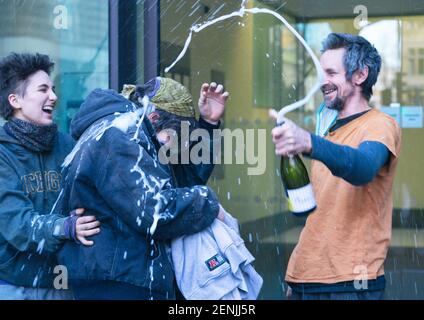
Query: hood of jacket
[99, 103]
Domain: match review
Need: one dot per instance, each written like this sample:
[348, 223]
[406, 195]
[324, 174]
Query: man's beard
[337, 103]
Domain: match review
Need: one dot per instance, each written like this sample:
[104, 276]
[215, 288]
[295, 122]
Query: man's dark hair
[168, 120]
[15, 69]
[359, 54]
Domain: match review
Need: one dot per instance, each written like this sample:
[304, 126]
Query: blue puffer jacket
[116, 175]
[29, 185]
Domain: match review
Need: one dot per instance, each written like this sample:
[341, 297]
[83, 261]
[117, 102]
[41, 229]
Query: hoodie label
[215, 262]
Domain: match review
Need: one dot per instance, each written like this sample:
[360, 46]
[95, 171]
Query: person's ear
[14, 101]
[153, 117]
[360, 76]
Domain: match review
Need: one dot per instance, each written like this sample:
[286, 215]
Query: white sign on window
[412, 117]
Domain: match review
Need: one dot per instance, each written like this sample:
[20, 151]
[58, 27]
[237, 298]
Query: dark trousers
[360, 295]
[112, 290]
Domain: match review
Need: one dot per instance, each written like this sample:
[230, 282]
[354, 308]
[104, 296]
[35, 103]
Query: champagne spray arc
[240, 13]
[300, 194]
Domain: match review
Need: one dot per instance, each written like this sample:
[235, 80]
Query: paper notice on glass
[412, 117]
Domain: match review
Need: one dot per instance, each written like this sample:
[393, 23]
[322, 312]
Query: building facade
[107, 43]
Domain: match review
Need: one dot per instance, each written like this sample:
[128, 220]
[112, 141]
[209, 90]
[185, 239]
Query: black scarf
[34, 137]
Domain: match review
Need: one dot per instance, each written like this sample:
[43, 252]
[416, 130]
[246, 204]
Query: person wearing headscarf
[115, 171]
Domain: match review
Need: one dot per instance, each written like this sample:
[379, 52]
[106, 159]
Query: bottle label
[302, 199]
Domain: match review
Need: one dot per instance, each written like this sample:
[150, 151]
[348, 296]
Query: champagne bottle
[297, 186]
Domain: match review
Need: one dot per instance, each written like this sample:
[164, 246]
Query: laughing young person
[31, 153]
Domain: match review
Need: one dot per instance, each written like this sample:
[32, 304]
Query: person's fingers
[273, 114]
[212, 87]
[291, 141]
[202, 97]
[83, 220]
[85, 241]
[288, 134]
[203, 93]
[225, 95]
[284, 151]
[283, 137]
[79, 211]
[79, 229]
[219, 89]
[205, 87]
[87, 219]
[277, 132]
[280, 144]
[276, 139]
[281, 152]
[284, 140]
[89, 233]
[92, 225]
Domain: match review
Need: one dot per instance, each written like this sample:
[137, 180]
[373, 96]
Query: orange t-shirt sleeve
[386, 131]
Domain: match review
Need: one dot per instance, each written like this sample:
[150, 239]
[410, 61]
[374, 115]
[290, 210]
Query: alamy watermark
[361, 280]
[60, 282]
[361, 20]
[239, 147]
[61, 19]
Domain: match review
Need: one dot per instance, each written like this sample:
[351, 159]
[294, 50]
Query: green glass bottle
[297, 186]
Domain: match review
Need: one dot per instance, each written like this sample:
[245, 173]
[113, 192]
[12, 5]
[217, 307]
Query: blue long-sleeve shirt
[357, 166]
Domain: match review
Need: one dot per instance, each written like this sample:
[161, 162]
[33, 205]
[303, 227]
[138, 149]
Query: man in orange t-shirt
[343, 246]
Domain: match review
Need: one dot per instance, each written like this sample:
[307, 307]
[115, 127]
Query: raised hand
[212, 102]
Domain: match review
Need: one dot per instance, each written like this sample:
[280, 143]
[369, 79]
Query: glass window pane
[75, 35]
[264, 66]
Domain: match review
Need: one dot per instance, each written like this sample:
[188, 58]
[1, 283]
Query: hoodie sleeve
[198, 173]
[139, 190]
[20, 225]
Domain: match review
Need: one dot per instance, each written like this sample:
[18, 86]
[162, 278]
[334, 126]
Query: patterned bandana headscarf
[165, 94]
